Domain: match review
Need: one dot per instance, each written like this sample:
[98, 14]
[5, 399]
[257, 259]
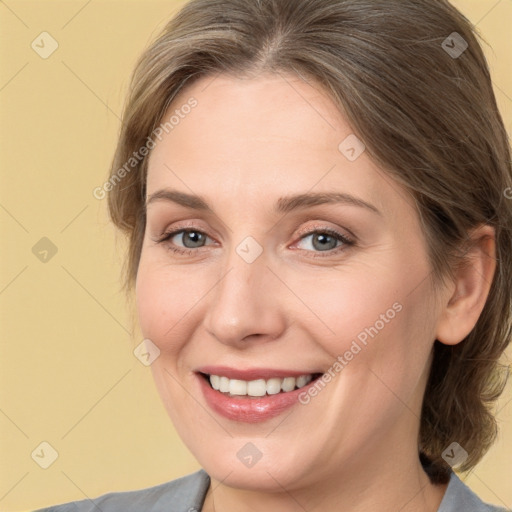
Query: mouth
[256, 388]
[254, 395]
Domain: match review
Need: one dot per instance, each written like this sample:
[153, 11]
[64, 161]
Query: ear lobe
[471, 288]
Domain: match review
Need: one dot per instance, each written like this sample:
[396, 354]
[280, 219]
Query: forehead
[267, 136]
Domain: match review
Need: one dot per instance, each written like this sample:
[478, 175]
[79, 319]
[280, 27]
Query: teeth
[273, 386]
[258, 387]
[237, 387]
[215, 381]
[303, 380]
[223, 384]
[288, 384]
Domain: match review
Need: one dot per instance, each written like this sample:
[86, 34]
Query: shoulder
[459, 496]
[185, 494]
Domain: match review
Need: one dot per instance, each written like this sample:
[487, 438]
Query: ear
[468, 294]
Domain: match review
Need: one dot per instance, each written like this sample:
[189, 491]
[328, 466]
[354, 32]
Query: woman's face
[247, 291]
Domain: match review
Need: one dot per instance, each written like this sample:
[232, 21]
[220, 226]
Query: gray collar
[458, 496]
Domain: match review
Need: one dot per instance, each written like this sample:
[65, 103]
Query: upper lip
[249, 374]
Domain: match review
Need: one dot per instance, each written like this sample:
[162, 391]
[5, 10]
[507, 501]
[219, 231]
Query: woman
[315, 196]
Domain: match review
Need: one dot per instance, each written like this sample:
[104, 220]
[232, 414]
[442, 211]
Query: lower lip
[249, 409]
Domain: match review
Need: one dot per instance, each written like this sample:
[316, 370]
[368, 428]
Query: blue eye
[323, 241]
[194, 238]
[190, 239]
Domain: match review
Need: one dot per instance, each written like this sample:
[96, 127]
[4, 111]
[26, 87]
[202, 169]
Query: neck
[407, 490]
[383, 475]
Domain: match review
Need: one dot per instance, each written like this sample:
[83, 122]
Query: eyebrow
[283, 205]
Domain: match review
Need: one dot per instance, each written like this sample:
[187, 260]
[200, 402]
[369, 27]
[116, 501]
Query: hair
[428, 118]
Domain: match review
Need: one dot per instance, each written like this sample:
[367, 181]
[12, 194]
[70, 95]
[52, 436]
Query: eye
[325, 240]
[184, 241]
[320, 240]
[189, 239]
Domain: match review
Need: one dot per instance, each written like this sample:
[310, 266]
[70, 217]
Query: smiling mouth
[236, 388]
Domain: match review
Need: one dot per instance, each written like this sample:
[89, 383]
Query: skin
[247, 143]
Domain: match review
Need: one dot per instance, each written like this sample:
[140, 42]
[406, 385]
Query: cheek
[376, 318]
[387, 352]
[165, 299]
[353, 303]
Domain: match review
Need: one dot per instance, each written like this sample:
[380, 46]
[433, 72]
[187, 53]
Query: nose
[246, 303]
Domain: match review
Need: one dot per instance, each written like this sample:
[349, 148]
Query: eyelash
[347, 242]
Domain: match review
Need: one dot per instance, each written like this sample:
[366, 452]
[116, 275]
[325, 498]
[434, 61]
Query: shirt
[187, 494]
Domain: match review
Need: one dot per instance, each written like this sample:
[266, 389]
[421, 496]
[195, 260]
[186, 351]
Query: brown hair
[428, 117]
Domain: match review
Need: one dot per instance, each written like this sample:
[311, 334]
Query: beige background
[68, 375]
